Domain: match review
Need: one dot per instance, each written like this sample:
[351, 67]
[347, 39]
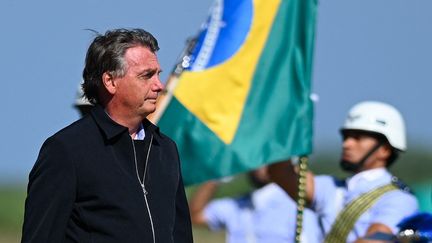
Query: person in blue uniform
[266, 215]
[371, 199]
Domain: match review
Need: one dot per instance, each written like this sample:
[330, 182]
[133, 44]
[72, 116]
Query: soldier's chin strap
[355, 167]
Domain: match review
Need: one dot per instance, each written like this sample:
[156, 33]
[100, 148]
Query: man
[265, 215]
[111, 176]
[371, 200]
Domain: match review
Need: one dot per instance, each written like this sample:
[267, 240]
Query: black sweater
[84, 188]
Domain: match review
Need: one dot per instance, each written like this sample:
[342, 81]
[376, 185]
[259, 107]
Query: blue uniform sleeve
[324, 193]
[218, 212]
[50, 195]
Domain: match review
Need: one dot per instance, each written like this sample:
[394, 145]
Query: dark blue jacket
[84, 188]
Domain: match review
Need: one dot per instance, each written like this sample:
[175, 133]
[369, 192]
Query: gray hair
[106, 54]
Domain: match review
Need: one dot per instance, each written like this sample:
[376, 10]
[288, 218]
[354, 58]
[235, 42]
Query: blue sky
[365, 49]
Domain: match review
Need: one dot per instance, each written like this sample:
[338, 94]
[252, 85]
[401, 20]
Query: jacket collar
[150, 128]
[112, 129]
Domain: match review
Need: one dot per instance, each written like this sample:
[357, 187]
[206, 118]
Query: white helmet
[81, 100]
[380, 118]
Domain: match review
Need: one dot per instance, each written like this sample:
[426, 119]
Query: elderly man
[111, 176]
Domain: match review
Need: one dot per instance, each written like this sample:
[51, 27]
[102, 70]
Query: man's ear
[386, 151]
[108, 82]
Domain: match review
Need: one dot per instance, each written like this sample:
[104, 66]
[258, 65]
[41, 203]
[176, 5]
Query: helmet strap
[355, 167]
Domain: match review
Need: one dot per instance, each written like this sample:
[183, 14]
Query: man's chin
[150, 114]
[349, 166]
[149, 108]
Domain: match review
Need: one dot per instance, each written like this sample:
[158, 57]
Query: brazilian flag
[244, 99]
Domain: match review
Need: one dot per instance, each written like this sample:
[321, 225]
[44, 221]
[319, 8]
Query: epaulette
[401, 185]
[339, 182]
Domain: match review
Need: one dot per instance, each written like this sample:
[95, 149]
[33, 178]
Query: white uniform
[268, 215]
[332, 195]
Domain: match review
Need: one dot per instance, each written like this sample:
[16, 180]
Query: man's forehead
[137, 54]
[142, 58]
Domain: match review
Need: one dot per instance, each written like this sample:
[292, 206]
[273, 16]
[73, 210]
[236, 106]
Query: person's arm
[375, 228]
[390, 209]
[182, 228]
[285, 175]
[199, 201]
[182, 232]
[50, 195]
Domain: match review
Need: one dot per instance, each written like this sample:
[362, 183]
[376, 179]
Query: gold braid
[301, 197]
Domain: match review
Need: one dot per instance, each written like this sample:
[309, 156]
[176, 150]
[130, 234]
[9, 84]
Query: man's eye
[353, 136]
[145, 76]
[148, 75]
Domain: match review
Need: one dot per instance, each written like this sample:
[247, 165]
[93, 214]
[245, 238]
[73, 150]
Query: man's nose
[158, 85]
[348, 141]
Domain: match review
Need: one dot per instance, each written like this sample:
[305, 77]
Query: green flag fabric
[243, 100]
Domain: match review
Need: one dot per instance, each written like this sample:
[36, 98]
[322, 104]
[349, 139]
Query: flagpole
[301, 197]
[165, 97]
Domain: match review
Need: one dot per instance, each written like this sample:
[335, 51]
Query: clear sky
[365, 49]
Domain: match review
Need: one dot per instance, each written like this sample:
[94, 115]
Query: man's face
[137, 91]
[356, 145]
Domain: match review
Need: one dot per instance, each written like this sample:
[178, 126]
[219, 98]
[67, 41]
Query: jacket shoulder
[75, 131]
[156, 131]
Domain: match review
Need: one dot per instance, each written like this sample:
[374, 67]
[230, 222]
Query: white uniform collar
[366, 177]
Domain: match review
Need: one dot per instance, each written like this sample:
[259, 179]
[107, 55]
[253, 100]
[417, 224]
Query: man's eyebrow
[149, 71]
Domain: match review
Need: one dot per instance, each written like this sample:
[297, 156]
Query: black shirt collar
[112, 129]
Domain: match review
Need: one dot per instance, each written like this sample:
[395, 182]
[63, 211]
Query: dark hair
[393, 157]
[394, 153]
[106, 54]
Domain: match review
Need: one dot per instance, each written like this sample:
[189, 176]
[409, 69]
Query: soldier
[372, 199]
[265, 215]
[81, 103]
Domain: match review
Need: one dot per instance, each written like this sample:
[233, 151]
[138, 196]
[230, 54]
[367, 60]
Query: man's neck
[133, 123]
